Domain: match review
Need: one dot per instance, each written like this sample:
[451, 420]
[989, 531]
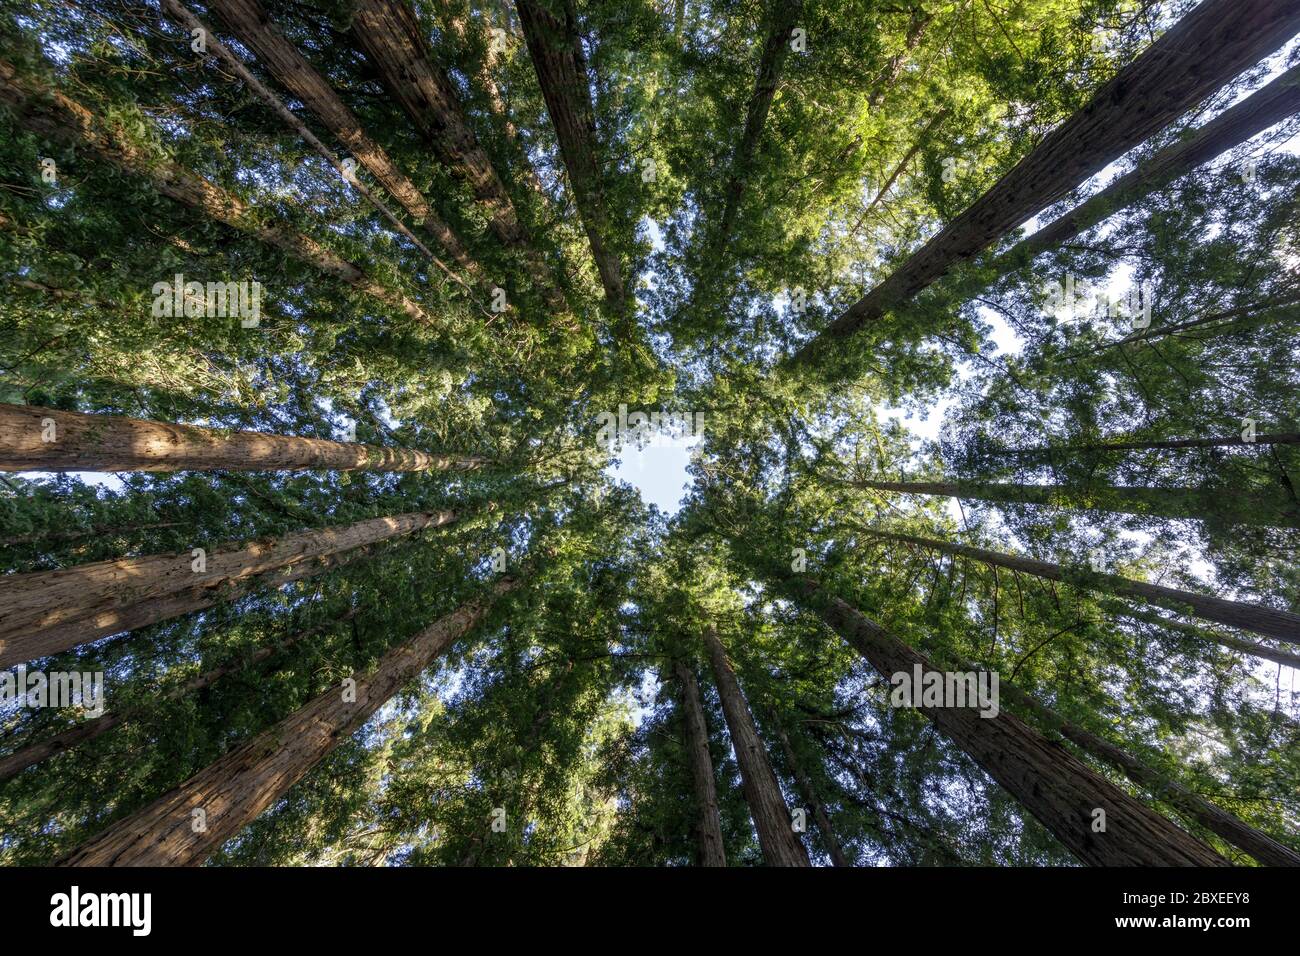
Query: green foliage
[560, 718]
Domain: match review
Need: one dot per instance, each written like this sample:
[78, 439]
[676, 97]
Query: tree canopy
[325, 322]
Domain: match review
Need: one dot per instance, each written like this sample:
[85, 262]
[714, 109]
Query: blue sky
[659, 473]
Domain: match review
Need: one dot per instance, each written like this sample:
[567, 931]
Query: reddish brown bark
[781, 847]
[84, 442]
[1203, 51]
[389, 33]
[464, 29]
[42, 750]
[45, 612]
[1051, 784]
[1220, 441]
[1151, 502]
[562, 74]
[809, 794]
[235, 790]
[785, 16]
[708, 822]
[249, 22]
[1256, 113]
[1251, 617]
[1235, 831]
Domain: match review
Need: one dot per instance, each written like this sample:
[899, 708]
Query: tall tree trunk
[32, 754]
[47, 439]
[251, 23]
[1251, 617]
[903, 163]
[708, 822]
[465, 29]
[389, 33]
[45, 612]
[1250, 314]
[781, 847]
[562, 74]
[809, 794]
[1203, 51]
[1256, 113]
[233, 791]
[1260, 845]
[1051, 784]
[48, 113]
[1151, 502]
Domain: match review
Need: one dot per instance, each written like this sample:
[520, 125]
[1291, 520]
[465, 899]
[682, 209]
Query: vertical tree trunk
[1190, 503]
[47, 439]
[1051, 784]
[562, 75]
[389, 33]
[1260, 845]
[45, 612]
[48, 113]
[1256, 113]
[252, 25]
[708, 822]
[466, 29]
[1123, 609]
[809, 794]
[1203, 51]
[1251, 617]
[233, 791]
[920, 20]
[781, 847]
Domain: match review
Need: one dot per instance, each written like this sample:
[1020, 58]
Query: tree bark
[1256, 113]
[464, 30]
[781, 847]
[920, 21]
[1051, 784]
[48, 113]
[809, 794]
[389, 33]
[88, 442]
[1187, 503]
[1261, 846]
[1250, 617]
[45, 612]
[1199, 54]
[708, 822]
[248, 21]
[561, 72]
[236, 789]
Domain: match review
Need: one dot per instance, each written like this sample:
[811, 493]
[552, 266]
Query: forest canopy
[327, 324]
